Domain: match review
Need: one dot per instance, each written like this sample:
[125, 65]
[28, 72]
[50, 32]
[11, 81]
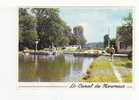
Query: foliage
[129, 64]
[50, 27]
[127, 78]
[27, 31]
[46, 25]
[113, 44]
[122, 62]
[130, 55]
[128, 20]
[125, 31]
[106, 40]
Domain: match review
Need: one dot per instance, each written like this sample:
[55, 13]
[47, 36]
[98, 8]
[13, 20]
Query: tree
[27, 29]
[82, 40]
[128, 20]
[50, 27]
[64, 41]
[113, 43]
[72, 40]
[46, 25]
[125, 31]
[106, 40]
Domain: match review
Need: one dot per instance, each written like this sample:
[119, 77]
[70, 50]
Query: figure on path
[112, 51]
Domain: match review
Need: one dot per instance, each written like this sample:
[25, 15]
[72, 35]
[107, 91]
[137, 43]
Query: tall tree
[113, 43]
[125, 31]
[106, 40]
[46, 25]
[27, 29]
[128, 20]
[50, 27]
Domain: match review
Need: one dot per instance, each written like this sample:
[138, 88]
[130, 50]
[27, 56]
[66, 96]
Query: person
[112, 51]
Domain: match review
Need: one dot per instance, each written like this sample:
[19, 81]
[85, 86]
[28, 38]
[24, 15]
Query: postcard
[76, 47]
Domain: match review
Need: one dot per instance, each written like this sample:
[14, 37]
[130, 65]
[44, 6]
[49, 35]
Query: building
[122, 47]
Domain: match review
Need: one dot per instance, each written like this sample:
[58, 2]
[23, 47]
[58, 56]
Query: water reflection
[52, 68]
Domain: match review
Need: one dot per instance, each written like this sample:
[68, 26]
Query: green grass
[127, 78]
[101, 79]
[101, 70]
[122, 62]
[100, 64]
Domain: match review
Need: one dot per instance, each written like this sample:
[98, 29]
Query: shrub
[129, 64]
[130, 55]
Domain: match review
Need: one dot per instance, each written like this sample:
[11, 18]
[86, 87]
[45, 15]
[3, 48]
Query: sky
[96, 21]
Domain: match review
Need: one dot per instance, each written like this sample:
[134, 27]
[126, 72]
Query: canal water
[52, 68]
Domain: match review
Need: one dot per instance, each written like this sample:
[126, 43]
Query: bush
[129, 64]
[130, 55]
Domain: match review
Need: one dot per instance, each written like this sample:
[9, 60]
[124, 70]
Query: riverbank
[104, 70]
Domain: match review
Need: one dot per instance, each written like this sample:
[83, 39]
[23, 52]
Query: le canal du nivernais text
[99, 85]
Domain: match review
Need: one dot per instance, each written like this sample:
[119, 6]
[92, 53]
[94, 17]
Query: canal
[52, 68]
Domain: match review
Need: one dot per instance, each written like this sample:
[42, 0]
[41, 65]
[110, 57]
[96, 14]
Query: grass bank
[124, 66]
[101, 70]
[122, 62]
